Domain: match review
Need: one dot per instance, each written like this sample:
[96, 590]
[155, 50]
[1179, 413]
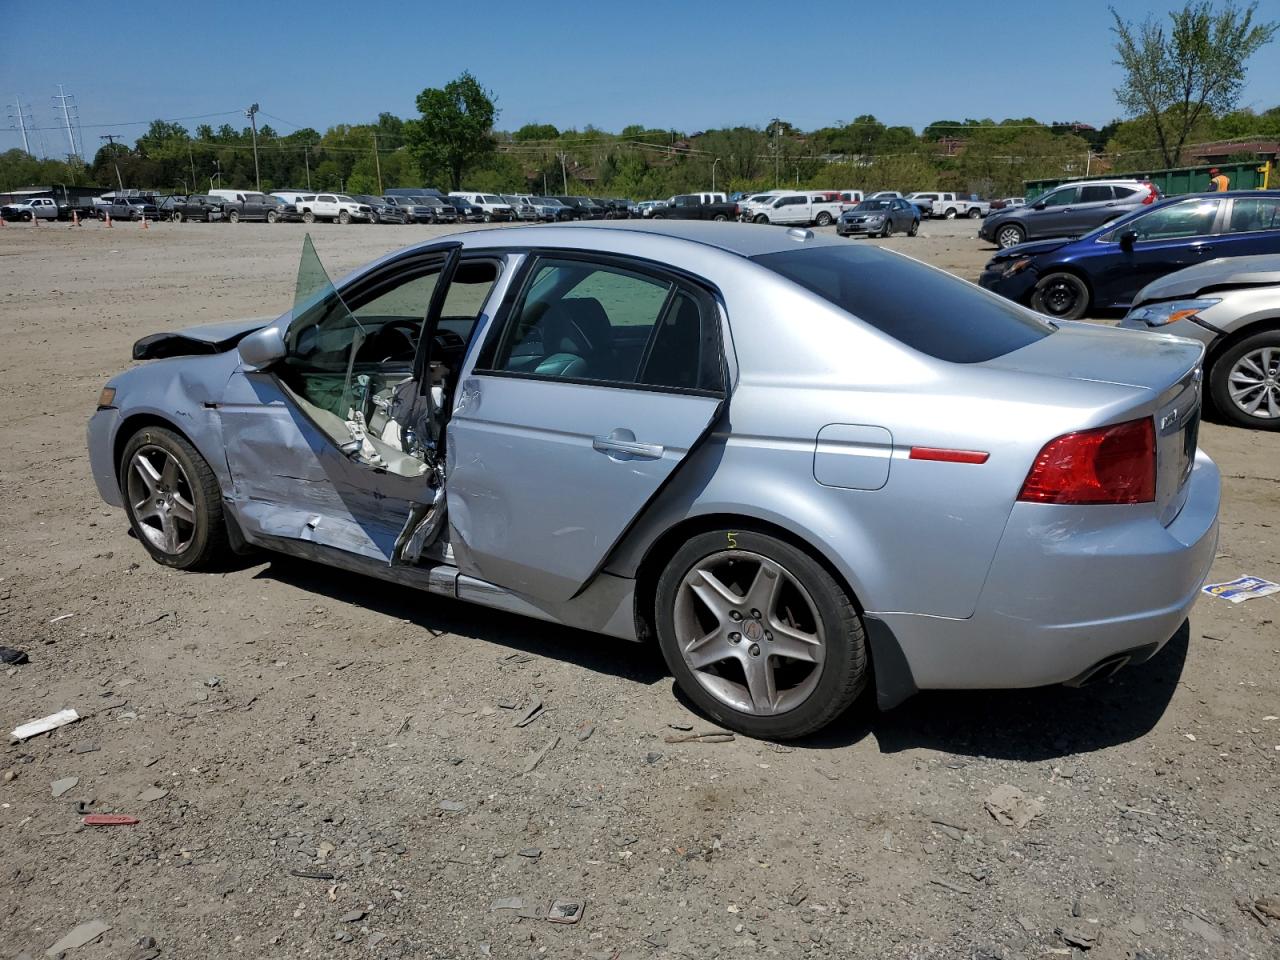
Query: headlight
[1016, 267]
[1160, 314]
[107, 398]
[876, 216]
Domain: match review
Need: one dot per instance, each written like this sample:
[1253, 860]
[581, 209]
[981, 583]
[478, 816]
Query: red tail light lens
[1152, 194]
[1115, 464]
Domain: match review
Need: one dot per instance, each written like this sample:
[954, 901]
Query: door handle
[622, 444]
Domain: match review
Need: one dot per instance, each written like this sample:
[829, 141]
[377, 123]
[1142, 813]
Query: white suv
[493, 206]
[334, 207]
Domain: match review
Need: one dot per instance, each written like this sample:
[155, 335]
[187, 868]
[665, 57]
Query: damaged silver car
[802, 466]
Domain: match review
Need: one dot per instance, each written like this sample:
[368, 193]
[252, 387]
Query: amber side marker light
[107, 398]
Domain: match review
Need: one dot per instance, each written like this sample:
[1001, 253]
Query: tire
[488, 218]
[720, 218]
[824, 219]
[887, 232]
[974, 213]
[1010, 235]
[272, 216]
[1061, 295]
[806, 694]
[1253, 360]
[914, 228]
[308, 217]
[190, 490]
[233, 216]
[344, 217]
[950, 214]
[760, 218]
[178, 216]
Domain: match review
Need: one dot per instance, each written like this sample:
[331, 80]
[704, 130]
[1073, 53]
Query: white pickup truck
[37, 208]
[798, 208]
[948, 206]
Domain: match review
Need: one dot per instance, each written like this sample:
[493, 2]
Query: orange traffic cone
[75, 218]
[108, 218]
[35, 221]
[146, 224]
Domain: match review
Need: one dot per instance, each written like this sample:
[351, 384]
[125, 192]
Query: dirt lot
[296, 721]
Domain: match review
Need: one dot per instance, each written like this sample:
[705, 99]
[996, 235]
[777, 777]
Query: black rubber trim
[894, 681]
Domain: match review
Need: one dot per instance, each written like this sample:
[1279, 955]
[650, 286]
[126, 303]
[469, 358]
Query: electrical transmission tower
[66, 102]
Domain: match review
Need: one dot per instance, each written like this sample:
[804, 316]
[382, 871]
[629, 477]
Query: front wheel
[914, 228]
[887, 232]
[308, 217]
[344, 217]
[233, 216]
[177, 216]
[824, 219]
[1245, 382]
[759, 635]
[950, 214]
[488, 218]
[760, 218]
[173, 500]
[1063, 296]
[1010, 235]
[272, 216]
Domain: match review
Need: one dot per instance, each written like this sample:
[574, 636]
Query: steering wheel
[405, 328]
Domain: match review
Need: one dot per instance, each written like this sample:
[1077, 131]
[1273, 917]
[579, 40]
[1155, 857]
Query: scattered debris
[566, 911]
[1081, 937]
[1270, 906]
[14, 657]
[45, 724]
[65, 616]
[538, 756]
[653, 756]
[84, 746]
[212, 682]
[680, 726]
[532, 713]
[507, 903]
[151, 794]
[798, 895]
[584, 731]
[355, 916]
[86, 933]
[533, 853]
[59, 787]
[948, 885]
[1241, 589]
[452, 806]
[1201, 926]
[1011, 807]
[508, 704]
[514, 659]
[949, 829]
[110, 820]
[312, 874]
[710, 736]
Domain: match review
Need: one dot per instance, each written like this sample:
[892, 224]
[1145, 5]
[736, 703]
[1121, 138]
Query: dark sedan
[1103, 270]
[880, 218]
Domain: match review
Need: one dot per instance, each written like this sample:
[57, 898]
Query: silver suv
[1070, 210]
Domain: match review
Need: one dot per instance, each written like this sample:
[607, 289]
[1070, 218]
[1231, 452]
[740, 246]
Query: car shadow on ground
[639, 663]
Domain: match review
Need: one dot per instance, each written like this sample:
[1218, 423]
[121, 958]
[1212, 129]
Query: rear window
[926, 309]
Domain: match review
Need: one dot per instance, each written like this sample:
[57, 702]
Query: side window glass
[1095, 194]
[1191, 218]
[582, 321]
[1060, 198]
[1254, 213]
[684, 351]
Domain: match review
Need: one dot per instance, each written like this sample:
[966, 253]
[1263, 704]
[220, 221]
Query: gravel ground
[327, 766]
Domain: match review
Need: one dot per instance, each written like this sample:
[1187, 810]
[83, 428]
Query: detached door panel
[592, 389]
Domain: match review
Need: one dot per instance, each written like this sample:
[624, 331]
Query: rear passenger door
[1094, 207]
[1252, 227]
[596, 379]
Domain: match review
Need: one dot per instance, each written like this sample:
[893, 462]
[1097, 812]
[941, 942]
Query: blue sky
[690, 65]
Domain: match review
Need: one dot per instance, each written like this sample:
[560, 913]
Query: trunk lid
[1168, 370]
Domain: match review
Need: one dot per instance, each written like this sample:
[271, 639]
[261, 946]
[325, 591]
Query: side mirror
[262, 348]
[1037, 206]
[1128, 239]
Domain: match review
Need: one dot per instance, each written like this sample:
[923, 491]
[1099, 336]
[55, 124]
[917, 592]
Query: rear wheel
[233, 216]
[344, 217]
[1010, 235]
[974, 213]
[1063, 296]
[720, 218]
[308, 217]
[1245, 382]
[173, 500]
[759, 635]
[824, 219]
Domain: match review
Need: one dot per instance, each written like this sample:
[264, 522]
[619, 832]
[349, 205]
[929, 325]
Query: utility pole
[111, 139]
[252, 114]
[564, 172]
[713, 174]
[191, 157]
[22, 125]
[377, 163]
[62, 98]
[306, 160]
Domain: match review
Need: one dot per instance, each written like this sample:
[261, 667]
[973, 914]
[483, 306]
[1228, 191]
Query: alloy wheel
[749, 632]
[1254, 383]
[1008, 237]
[160, 494]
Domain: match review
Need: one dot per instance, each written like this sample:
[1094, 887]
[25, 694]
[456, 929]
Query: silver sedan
[802, 466]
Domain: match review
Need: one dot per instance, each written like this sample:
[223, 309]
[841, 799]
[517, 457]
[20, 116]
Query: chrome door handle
[627, 448]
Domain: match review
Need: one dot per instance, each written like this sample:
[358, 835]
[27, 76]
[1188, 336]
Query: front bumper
[847, 228]
[1179, 328]
[100, 436]
[1016, 288]
[1070, 587]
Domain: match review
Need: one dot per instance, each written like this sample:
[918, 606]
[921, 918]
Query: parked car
[582, 207]
[619, 208]
[645, 208]
[439, 210]
[798, 208]
[775, 516]
[414, 209]
[1105, 269]
[467, 212]
[691, 206]
[381, 211]
[923, 202]
[1008, 203]
[128, 208]
[1071, 210]
[948, 206]
[1232, 306]
[850, 198]
[880, 218]
[521, 207]
[248, 205]
[884, 194]
[551, 210]
[198, 207]
[491, 205]
[37, 208]
[756, 202]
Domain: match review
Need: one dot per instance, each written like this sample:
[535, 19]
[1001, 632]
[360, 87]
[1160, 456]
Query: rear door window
[1249, 214]
[926, 309]
[1095, 194]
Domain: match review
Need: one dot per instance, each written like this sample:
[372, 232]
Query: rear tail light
[1152, 194]
[1115, 464]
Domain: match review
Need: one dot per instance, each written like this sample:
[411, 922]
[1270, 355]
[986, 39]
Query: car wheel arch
[1229, 340]
[1070, 268]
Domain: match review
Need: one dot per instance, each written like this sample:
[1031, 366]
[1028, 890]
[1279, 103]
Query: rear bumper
[1069, 588]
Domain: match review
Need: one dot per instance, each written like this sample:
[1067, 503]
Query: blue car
[1105, 269]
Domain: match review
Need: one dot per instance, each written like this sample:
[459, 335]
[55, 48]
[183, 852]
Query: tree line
[1182, 84]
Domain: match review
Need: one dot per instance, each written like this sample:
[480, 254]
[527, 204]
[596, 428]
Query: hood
[206, 338]
[1033, 249]
[1087, 351]
[1222, 273]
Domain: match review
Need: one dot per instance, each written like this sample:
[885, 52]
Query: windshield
[925, 308]
[873, 205]
[490, 198]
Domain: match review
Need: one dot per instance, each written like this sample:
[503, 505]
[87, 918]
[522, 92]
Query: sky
[688, 65]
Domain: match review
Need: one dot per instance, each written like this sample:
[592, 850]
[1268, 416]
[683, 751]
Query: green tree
[1195, 70]
[455, 130]
[536, 131]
